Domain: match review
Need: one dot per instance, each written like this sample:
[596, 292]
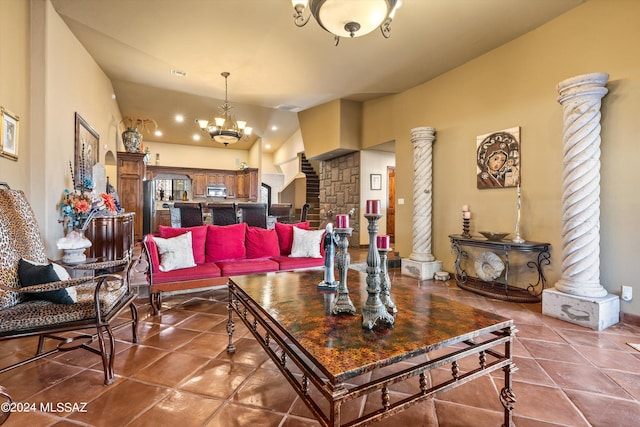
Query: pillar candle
[382, 242]
[342, 221]
[465, 208]
[467, 215]
[373, 207]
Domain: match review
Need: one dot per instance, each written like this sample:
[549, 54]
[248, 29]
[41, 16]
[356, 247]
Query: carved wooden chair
[254, 214]
[25, 313]
[223, 213]
[190, 214]
[282, 212]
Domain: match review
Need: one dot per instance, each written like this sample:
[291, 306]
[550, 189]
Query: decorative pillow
[285, 235]
[225, 242]
[306, 243]
[262, 243]
[175, 252]
[198, 238]
[32, 273]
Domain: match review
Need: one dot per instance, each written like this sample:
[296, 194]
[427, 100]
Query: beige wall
[14, 88]
[196, 157]
[515, 85]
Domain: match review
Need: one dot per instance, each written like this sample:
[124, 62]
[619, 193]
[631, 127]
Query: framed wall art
[375, 181]
[9, 136]
[498, 159]
[86, 151]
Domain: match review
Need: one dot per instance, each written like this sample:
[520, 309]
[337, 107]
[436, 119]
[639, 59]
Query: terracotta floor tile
[239, 416]
[571, 376]
[627, 380]
[171, 369]
[553, 351]
[133, 359]
[266, 389]
[456, 415]
[204, 322]
[605, 411]
[588, 339]
[548, 404]
[217, 378]
[205, 344]
[170, 338]
[129, 397]
[179, 409]
[610, 359]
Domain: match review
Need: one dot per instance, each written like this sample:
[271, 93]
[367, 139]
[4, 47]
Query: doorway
[391, 203]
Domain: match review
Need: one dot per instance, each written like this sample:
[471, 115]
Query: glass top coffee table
[330, 360]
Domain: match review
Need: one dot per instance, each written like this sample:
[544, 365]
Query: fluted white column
[422, 140]
[580, 98]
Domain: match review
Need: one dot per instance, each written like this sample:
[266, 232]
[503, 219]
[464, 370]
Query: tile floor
[180, 374]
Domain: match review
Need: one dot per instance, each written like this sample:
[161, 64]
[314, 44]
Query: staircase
[313, 192]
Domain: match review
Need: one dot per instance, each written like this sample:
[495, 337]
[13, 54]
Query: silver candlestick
[518, 239]
[374, 312]
[342, 303]
[385, 283]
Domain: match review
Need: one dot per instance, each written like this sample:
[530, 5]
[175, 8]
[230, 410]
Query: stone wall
[340, 191]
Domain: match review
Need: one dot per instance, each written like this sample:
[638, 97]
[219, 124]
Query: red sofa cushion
[200, 271]
[288, 263]
[237, 267]
[285, 235]
[152, 249]
[225, 242]
[262, 243]
[198, 237]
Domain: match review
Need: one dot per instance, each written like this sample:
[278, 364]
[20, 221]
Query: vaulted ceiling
[277, 68]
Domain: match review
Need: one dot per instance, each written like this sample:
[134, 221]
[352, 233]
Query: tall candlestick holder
[385, 283]
[373, 311]
[466, 226]
[342, 303]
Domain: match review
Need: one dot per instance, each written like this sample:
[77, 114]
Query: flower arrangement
[80, 205]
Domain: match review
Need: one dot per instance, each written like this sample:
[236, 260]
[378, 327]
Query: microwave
[216, 191]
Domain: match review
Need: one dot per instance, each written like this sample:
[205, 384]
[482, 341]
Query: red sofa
[223, 251]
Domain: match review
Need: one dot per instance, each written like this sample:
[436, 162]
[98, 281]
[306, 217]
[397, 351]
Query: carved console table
[492, 275]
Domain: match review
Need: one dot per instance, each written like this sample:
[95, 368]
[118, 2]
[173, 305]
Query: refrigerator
[148, 206]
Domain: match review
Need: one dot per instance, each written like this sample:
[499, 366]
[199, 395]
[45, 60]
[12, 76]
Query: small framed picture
[376, 181]
[9, 136]
[86, 150]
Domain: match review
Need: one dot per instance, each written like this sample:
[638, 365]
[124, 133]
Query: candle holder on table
[373, 311]
[466, 226]
[330, 242]
[385, 282]
[342, 303]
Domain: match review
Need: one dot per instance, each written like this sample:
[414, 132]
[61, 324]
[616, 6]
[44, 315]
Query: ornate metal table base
[374, 312]
[496, 289]
[342, 303]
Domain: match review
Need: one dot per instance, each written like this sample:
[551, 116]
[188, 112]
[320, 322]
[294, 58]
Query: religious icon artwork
[498, 159]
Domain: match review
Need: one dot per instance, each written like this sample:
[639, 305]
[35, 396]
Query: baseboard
[630, 319]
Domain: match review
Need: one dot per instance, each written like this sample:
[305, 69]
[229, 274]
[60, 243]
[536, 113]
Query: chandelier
[353, 18]
[225, 130]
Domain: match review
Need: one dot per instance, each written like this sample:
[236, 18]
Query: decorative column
[578, 296]
[422, 264]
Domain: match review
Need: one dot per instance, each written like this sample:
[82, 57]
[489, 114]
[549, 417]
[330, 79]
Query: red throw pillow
[198, 237]
[285, 235]
[225, 242]
[262, 243]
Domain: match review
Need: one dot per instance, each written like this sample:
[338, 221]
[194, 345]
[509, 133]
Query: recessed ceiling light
[267, 146]
[274, 127]
[179, 118]
[196, 137]
[158, 133]
[179, 73]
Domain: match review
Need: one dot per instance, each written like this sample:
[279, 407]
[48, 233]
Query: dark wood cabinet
[111, 236]
[199, 183]
[163, 217]
[230, 182]
[131, 174]
[253, 185]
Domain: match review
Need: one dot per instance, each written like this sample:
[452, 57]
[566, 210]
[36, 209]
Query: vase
[74, 245]
[132, 139]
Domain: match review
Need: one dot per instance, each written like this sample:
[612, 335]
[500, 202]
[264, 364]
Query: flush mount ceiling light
[354, 18]
[225, 129]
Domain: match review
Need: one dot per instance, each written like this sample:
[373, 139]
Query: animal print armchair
[29, 311]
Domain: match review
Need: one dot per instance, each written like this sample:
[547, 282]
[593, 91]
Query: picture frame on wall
[375, 181]
[498, 159]
[87, 146]
[9, 136]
